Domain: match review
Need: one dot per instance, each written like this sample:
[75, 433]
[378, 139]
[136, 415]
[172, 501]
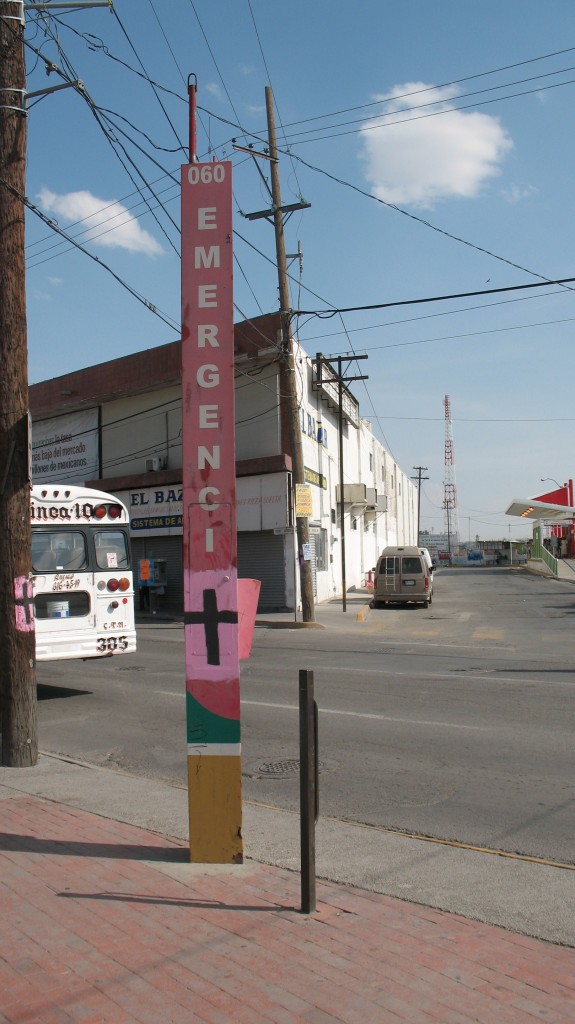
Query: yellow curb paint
[215, 783]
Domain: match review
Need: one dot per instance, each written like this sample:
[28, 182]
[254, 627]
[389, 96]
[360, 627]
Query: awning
[529, 508]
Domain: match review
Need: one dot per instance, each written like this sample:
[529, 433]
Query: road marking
[484, 633]
[414, 643]
[347, 714]
[361, 714]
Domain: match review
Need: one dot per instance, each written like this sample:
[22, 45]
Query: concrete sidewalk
[103, 921]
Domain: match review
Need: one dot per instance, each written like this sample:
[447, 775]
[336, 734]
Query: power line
[433, 316]
[145, 302]
[294, 140]
[441, 85]
[327, 313]
[397, 209]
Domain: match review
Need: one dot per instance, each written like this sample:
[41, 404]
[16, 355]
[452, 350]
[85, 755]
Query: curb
[362, 615]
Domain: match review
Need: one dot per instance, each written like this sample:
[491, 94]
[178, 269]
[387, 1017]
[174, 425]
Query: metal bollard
[309, 787]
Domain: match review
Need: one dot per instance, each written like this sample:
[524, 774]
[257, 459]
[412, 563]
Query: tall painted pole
[209, 506]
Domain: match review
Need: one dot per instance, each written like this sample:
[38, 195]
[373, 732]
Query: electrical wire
[269, 78]
[328, 313]
[469, 334]
[432, 316]
[72, 78]
[131, 45]
[441, 85]
[145, 302]
[452, 107]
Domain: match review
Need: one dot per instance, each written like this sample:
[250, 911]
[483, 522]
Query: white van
[428, 559]
[403, 574]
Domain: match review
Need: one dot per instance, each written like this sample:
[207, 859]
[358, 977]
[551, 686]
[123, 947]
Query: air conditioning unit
[153, 464]
[353, 494]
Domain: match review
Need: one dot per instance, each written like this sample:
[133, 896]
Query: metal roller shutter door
[261, 557]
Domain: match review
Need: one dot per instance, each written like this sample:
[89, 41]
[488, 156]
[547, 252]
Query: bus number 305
[111, 644]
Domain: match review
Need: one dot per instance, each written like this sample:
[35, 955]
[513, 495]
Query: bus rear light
[114, 604]
[108, 511]
[122, 584]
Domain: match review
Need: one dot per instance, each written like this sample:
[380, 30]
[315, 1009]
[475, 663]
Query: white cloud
[424, 159]
[103, 222]
[214, 89]
[516, 193]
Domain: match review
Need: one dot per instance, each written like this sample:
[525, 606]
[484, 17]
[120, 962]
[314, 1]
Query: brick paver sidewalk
[105, 923]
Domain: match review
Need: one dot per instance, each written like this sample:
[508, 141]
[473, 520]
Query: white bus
[82, 580]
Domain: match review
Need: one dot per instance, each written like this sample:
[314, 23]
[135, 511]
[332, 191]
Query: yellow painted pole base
[215, 809]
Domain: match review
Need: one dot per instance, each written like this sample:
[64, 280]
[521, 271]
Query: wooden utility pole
[419, 470]
[298, 476]
[17, 654]
[340, 378]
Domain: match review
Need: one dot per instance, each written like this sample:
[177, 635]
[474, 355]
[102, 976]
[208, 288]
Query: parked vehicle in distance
[403, 574]
[428, 560]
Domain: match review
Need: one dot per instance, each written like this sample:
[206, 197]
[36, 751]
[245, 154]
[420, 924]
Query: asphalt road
[455, 722]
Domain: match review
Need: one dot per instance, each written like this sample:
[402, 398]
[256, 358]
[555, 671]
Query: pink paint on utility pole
[209, 511]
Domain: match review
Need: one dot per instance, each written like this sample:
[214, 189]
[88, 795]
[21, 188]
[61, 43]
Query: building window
[371, 462]
[333, 516]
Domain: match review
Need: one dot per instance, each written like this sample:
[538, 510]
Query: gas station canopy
[530, 508]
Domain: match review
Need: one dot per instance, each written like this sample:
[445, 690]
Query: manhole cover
[280, 769]
[286, 767]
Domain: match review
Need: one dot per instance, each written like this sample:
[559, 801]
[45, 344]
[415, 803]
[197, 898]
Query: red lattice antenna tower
[449, 489]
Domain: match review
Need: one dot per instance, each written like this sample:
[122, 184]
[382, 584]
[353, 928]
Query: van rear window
[389, 566]
[412, 566]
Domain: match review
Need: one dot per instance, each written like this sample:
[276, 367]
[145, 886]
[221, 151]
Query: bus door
[114, 590]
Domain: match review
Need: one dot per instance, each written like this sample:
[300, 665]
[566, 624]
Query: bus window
[67, 605]
[111, 549]
[58, 551]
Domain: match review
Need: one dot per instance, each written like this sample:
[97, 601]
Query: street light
[544, 478]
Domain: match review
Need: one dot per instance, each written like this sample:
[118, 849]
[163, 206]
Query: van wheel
[375, 604]
[426, 604]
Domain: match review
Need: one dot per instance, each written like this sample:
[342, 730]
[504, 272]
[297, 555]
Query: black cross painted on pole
[211, 618]
[26, 601]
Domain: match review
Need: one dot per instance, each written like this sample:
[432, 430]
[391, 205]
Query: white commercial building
[118, 426]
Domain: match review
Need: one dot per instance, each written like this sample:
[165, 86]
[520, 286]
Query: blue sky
[434, 143]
